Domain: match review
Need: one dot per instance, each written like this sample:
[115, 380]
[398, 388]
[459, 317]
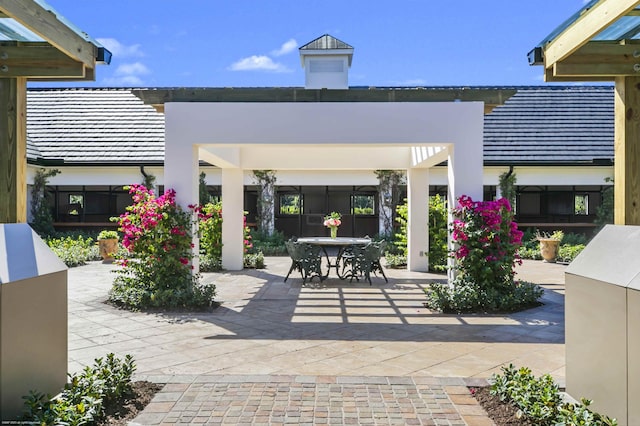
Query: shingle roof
[110, 126]
[33, 153]
[538, 125]
[551, 124]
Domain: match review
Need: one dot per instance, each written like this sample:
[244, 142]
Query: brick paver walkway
[315, 400]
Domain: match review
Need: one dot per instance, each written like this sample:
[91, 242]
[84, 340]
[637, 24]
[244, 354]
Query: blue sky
[220, 43]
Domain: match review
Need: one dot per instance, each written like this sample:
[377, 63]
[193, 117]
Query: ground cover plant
[157, 272]
[517, 397]
[487, 240]
[99, 394]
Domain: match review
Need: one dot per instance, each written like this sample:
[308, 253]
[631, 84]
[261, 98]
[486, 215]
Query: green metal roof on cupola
[326, 42]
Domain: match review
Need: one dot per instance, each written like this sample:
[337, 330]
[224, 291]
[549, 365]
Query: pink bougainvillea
[487, 240]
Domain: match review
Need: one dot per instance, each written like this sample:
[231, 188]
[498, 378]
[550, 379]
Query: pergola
[240, 130]
[601, 42]
[36, 44]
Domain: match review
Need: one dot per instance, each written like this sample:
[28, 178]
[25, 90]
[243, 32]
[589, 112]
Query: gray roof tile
[546, 124]
[110, 126]
[551, 124]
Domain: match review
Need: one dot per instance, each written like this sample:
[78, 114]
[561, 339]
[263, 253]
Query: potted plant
[549, 245]
[108, 245]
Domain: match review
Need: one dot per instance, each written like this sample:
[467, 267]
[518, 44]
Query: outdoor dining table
[341, 243]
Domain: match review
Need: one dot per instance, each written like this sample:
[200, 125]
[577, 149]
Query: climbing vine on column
[266, 180]
[388, 181]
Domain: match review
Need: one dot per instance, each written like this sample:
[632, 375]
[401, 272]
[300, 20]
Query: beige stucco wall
[33, 339]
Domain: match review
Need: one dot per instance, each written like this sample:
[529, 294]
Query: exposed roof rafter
[587, 26]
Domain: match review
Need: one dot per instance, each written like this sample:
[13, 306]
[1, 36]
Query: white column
[232, 219]
[181, 170]
[464, 169]
[418, 220]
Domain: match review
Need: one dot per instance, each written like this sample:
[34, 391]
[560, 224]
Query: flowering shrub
[486, 253]
[157, 271]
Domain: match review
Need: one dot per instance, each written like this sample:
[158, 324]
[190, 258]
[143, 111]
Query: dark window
[290, 204]
[363, 205]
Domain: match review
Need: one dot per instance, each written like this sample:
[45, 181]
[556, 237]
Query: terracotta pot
[549, 249]
[107, 249]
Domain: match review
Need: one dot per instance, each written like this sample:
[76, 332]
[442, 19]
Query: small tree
[507, 184]
[438, 234]
[210, 228]
[42, 220]
[203, 195]
[149, 180]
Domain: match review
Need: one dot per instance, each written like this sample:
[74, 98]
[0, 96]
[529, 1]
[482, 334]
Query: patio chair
[366, 260]
[306, 259]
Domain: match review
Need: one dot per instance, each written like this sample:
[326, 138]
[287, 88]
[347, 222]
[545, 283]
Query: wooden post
[13, 150]
[627, 151]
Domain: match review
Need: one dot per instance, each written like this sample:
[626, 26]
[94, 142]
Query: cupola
[326, 61]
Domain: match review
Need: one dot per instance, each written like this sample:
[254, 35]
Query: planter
[549, 249]
[108, 247]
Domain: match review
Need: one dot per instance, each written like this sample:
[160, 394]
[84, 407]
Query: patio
[269, 331]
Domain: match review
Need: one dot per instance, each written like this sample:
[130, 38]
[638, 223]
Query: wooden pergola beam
[38, 61]
[44, 23]
[601, 59]
[600, 16]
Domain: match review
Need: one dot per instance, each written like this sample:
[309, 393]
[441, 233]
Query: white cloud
[119, 50]
[258, 63]
[128, 75]
[136, 68]
[287, 47]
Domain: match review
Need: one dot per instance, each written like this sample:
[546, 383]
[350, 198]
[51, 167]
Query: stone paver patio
[284, 351]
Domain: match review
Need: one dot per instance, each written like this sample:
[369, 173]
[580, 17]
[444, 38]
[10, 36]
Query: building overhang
[490, 96]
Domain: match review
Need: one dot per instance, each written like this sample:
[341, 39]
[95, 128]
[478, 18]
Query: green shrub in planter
[108, 235]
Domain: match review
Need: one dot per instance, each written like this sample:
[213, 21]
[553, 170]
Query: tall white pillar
[181, 168]
[232, 219]
[181, 172]
[464, 169]
[418, 220]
